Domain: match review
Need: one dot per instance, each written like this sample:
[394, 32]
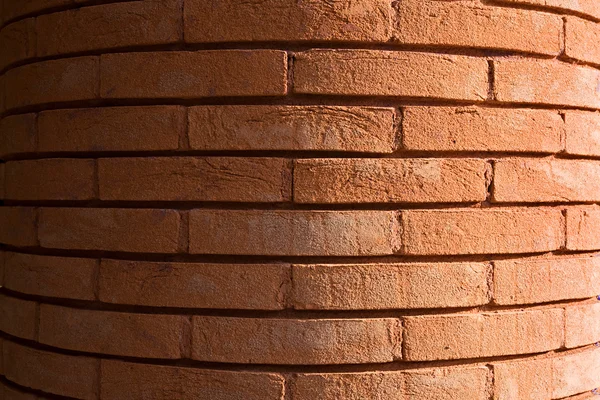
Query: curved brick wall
[298, 200]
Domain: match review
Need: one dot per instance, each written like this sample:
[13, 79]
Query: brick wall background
[298, 200]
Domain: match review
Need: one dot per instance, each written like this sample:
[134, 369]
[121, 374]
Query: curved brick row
[589, 8]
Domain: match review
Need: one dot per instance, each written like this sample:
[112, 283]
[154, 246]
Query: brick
[531, 379]
[18, 226]
[318, 128]
[113, 333]
[293, 233]
[10, 392]
[546, 280]
[468, 24]
[128, 381]
[3, 256]
[389, 286]
[468, 129]
[482, 335]
[581, 327]
[195, 285]
[582, 229]
[2, 182]
[18, 42]
[288, 20]
[14, 9]
[50, 179]
[185, 75]
[545, 180]
[546, 82]
[18, 317]
[60, 277]
[581, 40]
[439, 383]
[116, 25]
[481, 231]
[591, 8]
[583, 133]
[228, 179]
[59, 374]
[17, 134]
[417, 180]
[388, 73]
[131, 230]
[53, 81]
[292, 341]
[146, 128]
[576, 373]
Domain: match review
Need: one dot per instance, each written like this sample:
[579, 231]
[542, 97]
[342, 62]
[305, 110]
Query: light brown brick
[18, 226]
[130, 230]
[18, 317]
[590, 8]
[187, 75]
[387, 73]
[581, 325]
[61, 277]
[583, 133]
[482, 335]
[481, 231]
[293, 233]
[318, 128]
[229, 286]
[468, 129]
[530, 379]
[582, 38]
[417, 180]
[128, 381]
[17, 134]
[389, 286]
[576, 373]
[582, 229]
[292, 341]
[113, 333]
[17, 41]
[228, 179]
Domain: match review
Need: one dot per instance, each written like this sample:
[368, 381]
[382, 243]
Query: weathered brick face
[299, 200]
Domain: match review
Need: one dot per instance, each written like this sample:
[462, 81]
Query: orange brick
[481, 231]
[17, 41]
[581, 40]
[389, 286]
[576, 373]
[59, 374]
[389, 180]
[18, 226]
[134, 230]
[145, 128]
[319, 128]
[468, 129]
[482, 335]
[540, 281]
[18, 317]
[17, 134]
[292, 341]
[114, 333]
[61, 277]
[583, 133]
[581, 325]
[229, 286]
[187, 75]
[590, 8]
[387, 73]
[229, 179]
[128, 381]
[50, 179]
[53, 81]
[530, 379]
[582, 229]
[546, 82]
[290, 233]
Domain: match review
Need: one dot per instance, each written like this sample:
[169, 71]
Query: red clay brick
[162, 284]
[531, 379]
[146, 128]
[470, 24]
[540, 281]
[289, 233]
[468, 129]
[133, 23]
[17, 41]
[50, 179]
[229, 179]
[10, 392]
[61, 277]
[387, 73]
[581, 40]
[18, 317]
[187, 75]
[482, 335]
[581, 327]
[292, 341]
[17, 226]
[582, 229]
[590, 8]
[481, 231]
[319, 128]
[583, 133]
[114, 333]
[53, 81]
[59, 374]
[133, 230]
[418, 180]
[128, 381]
[17, 134]
[574, 374]
[546, 82]
[389, 286]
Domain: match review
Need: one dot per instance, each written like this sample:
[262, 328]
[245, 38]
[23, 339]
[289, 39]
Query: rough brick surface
[583, 133]
[582, 229]
[18, 226]
[581, 37]
[17, 134]
[581, 327]
[523, 380]
[590, 8]
[18, 317]
[17, 41]
[575, 373]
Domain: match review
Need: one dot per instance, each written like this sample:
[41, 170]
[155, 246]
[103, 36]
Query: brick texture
[583, 133]
[582, 225]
